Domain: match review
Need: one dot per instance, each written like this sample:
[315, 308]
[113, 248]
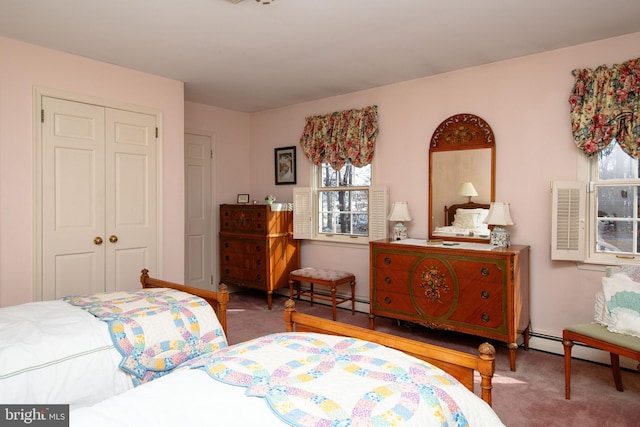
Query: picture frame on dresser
[285, 165]
[243, 198]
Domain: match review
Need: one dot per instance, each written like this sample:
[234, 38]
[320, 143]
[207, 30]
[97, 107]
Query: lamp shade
[467, 189]
[499, 214]
[399, 212]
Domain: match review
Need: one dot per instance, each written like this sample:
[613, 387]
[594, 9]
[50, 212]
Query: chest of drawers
[257, 248]
[471, 288]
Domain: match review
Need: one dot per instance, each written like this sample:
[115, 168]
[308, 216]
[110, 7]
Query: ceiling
[246, 56]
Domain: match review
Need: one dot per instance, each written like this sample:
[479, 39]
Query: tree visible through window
[343, 200]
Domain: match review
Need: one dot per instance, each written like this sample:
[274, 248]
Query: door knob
[113, 238]
[97, 240]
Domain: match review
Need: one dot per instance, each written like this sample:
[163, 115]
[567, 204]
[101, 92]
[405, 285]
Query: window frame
[587, 174]
[306, 211]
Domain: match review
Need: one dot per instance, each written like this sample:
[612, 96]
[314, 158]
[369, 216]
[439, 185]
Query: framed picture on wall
[285, 165]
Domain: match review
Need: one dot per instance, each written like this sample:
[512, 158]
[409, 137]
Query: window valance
[604, 106]
[341, 136]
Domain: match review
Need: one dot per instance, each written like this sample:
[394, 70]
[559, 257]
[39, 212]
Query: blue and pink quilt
[155, 330]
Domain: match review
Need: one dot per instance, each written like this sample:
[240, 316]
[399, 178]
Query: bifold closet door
[99, 226]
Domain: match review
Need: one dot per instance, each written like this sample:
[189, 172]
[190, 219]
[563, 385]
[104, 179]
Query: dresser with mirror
[455, 279]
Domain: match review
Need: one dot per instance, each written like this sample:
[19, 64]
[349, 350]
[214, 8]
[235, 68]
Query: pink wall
[231, 135]
[526, 103]
[24, 67]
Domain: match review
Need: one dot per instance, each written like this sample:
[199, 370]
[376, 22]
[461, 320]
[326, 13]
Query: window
[602, 211]
[341, 206]
[343, 200]
[613, 200]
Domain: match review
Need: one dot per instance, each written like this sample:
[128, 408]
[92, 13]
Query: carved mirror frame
[462, 149]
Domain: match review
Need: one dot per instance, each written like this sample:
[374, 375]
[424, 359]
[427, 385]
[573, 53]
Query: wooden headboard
[217, 300]
[450, 211]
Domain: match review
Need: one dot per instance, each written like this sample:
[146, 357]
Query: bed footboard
[458, 364]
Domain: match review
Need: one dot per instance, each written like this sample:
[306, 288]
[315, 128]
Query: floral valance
[604, 106]
[341, 136]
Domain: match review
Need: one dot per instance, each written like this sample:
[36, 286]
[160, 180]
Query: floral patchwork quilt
[155, 330]
[319, 380]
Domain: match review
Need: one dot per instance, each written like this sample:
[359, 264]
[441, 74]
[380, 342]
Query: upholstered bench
[324, 277]
[598, 336]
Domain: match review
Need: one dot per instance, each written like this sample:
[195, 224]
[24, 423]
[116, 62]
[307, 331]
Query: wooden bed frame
[217, 300]
[450, 211]
[458, 364]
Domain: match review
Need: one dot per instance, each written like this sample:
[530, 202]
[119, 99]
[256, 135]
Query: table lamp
[400, 214]
[499, 216]
[468, 190]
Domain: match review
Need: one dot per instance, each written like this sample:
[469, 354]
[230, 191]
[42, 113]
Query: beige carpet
[531, 396]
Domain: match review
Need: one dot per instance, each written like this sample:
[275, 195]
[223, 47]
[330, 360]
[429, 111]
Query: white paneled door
[199, 247]
[99, 185]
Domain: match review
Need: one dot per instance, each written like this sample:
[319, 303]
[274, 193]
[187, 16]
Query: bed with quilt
[317, 373]
[80, 350]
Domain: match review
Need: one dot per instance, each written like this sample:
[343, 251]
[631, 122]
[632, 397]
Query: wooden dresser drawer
[243, 246]
[243, 220]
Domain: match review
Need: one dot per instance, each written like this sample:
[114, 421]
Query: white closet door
[73, 201]
[131, 187]
[99, 198]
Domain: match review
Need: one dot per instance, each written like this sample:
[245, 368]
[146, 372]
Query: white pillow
[470, 218]
[601, 313]
[621, 301]
[466, 219]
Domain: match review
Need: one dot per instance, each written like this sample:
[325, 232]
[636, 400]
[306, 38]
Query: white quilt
[298, 379]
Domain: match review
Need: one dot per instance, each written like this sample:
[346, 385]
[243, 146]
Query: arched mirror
[462, 163]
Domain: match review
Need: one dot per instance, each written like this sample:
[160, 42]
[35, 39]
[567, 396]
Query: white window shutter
[378, 211]
[302, 210]
[568, 220]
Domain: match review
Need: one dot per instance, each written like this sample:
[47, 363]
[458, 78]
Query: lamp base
[500, 237]
[399, 231]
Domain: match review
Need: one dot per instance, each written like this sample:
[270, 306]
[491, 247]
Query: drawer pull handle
[226, 258]
[387, 280]
[484, 294]
[257, 248]
[226, 244]
[484, 271]
[387, 300]
[259, 262]
[387, 260]
[485, 317]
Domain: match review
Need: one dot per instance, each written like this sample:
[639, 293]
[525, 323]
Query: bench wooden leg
[567, 368]
[353, 297]
[333, 302]
[615, 368]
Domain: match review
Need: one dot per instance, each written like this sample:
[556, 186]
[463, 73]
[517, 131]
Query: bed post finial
[144, 276]
[486, 368]
[289, 309]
